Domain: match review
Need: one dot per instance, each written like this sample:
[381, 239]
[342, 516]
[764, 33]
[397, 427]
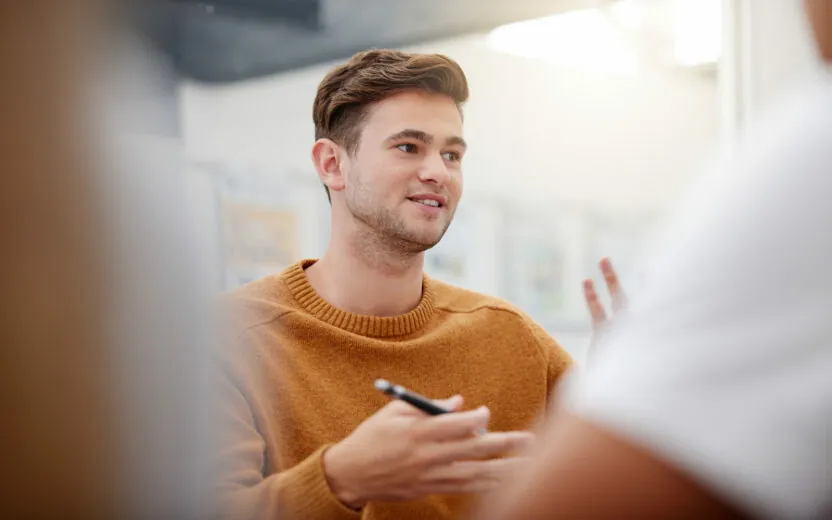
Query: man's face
[404, 181]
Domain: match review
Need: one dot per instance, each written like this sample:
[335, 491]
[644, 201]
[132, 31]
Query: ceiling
[224, 41]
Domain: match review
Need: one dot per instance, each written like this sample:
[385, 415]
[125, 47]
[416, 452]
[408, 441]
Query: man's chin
[427, 241]
[420, 242]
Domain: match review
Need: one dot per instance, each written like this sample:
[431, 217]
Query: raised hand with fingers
[600, 318]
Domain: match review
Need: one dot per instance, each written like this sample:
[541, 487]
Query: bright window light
[630, 14]
[698, 32]
[584, 40]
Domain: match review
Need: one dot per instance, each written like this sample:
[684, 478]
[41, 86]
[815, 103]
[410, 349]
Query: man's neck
[369, 283]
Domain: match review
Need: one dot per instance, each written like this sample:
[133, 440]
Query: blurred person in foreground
[56, 445]
[308, 436]
[713, 399]
[99, 329]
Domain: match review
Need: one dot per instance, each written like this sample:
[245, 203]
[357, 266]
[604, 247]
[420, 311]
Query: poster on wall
[257, 240]
[622, 237]
[449, 259]
[544, 276]
[446, 265]
[534, 262]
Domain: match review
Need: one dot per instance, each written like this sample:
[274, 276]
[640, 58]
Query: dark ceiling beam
[224, 41]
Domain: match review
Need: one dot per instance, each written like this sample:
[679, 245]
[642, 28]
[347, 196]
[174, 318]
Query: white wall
[768, 51]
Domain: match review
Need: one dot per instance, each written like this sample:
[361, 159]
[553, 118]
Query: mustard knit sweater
[298, 377]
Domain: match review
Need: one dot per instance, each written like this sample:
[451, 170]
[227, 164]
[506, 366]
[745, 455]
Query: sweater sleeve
[558, 360]
[297, 493]
[559, 363]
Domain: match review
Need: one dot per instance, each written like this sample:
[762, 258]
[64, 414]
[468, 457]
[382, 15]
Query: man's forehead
[414, 100]
[434, 114]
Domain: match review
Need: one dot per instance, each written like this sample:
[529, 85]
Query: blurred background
[586, 121]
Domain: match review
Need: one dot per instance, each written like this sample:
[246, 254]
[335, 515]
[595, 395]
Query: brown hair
[368, 77]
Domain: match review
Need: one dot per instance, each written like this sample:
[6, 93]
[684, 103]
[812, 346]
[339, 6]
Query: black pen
[413, 399]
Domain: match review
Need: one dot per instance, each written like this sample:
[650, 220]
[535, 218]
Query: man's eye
[407, 148]
[451, 156]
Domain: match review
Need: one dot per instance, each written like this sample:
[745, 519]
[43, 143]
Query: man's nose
[434, 170]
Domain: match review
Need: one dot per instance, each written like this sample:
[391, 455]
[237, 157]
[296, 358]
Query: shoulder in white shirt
[723, 366]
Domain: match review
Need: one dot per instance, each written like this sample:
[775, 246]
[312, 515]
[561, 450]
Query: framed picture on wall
[257, 240]
[534, 260]
[621, 236]
[259, 223]
[543, 273]
[449, 260]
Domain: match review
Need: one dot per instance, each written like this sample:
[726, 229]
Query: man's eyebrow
[456, 140]
[419, 135]
[426, 138]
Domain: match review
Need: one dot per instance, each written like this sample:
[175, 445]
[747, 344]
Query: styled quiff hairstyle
[346, 93]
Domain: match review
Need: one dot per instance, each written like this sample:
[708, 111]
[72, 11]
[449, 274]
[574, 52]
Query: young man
[308, 436]
[714, 399]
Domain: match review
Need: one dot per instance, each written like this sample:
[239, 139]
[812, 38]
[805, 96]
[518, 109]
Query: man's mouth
[428, 199]
[428, 202]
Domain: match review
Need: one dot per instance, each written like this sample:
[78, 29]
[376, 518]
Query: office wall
[768, 51]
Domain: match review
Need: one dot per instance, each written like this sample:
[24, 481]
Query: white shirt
[723, 366]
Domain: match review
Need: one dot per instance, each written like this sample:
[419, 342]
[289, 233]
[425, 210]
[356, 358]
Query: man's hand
[400, 453]
[600, 318]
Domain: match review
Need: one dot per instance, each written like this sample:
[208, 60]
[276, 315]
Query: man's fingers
[453, 426]
[452, 404]
[619, 301]
[483, 446]
[596, 310]
[474, 476]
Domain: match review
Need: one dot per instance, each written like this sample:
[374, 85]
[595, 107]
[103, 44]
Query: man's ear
[326, 156]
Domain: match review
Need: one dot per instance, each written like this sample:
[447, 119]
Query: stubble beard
[382, 231]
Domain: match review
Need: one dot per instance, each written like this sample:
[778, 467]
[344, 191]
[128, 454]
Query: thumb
[452, 404]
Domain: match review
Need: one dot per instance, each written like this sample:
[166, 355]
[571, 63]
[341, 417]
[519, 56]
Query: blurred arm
[298, 493]
[586, 473]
